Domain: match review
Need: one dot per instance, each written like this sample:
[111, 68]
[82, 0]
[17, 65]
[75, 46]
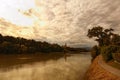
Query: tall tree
[116, 39]
[102, 36]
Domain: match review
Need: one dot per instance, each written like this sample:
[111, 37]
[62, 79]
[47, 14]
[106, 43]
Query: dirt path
[108, 68]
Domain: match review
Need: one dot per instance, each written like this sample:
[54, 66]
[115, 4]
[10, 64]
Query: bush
[95, 52]
[107, 51]
[116, 57]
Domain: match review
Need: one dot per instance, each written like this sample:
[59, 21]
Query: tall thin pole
[65, 55]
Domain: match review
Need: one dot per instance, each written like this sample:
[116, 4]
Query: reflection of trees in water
[73, 69]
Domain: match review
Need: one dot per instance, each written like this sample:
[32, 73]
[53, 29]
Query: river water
[72, 69]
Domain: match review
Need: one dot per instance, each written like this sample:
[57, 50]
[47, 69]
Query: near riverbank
[99, 70]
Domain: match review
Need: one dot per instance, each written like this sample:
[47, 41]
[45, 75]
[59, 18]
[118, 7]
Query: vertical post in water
[65, 52]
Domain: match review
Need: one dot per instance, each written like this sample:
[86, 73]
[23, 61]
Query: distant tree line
[9, 44]
[77, 49]
[108, 43]
[18, 45]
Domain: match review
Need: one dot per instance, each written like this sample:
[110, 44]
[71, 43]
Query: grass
[17, 59]
[114, 64]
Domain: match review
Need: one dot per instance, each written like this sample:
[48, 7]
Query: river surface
[72, 69]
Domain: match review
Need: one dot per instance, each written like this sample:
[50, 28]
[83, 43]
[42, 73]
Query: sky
[58, 21]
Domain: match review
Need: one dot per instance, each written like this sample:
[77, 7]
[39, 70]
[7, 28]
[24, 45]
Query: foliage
[116, 57]
[77, 49]
[95, 52]
[115, 39]
[102, 36]
[108, 50]
[116, 54]
[108, 41]
[9, 44]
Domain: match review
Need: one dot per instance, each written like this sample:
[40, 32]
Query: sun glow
[10, 11]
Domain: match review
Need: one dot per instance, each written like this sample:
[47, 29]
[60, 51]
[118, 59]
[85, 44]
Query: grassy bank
[114, 64]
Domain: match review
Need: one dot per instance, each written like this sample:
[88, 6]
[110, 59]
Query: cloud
[67, 21]
[7, 28]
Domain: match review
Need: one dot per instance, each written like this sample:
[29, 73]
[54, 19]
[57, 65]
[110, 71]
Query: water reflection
[72, 69]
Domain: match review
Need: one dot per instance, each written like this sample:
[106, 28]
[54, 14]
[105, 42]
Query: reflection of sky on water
[73, 69]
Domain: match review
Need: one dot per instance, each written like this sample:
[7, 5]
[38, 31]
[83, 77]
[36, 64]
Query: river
[72, 69]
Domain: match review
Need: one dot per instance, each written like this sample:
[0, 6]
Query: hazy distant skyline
[58, 21]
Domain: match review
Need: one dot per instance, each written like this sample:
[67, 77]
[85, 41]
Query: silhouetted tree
[9, 44]
[102, 36]
[115, 39]
[109, 42]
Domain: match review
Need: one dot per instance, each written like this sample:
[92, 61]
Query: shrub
[107, 51]
[116, 57]
[95, 52]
